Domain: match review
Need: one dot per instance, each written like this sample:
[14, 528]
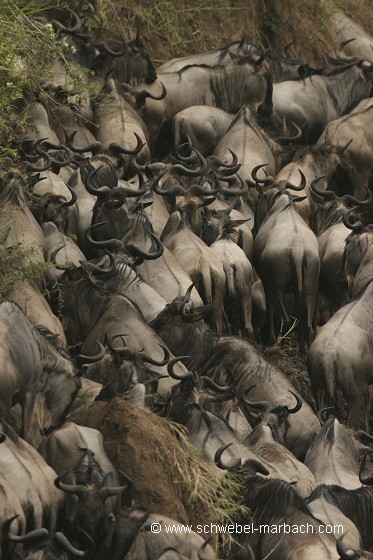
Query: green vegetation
[28, 48]
[16, 266]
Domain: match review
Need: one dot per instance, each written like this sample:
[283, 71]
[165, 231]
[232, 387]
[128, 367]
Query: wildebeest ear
[365, 439]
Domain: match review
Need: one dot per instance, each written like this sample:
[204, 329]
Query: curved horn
[367, 481]
[116, 149]
[357, 226]
[74, 198]
[153, 362]
[110, 339]
[326, 195]
[341, 55]
[152, 167]
[298, 406]
[32, 536]
[180, 377]
[229, 168]
[186, 297]
[229, 191]
[175, 190]
[45, 155]
[254, 407]
[94, 148]
[159, 97]
[97, 270]
[218, 460]
[50, 146]
[52, 259]
[137, 252]
[115, 54]
[302, 185]
[136, 192]
[207, 382]
[188, 144]
[77, 489]
[65, 544]
[109, 243]
[108, 490]
[93, 190]
[69, 30]
[82, 359]
[321, 412]
[360, 203]
[344, 553]
[254, 175]
[183, 171]
[289, 139]
[252, 466]
[208, 190]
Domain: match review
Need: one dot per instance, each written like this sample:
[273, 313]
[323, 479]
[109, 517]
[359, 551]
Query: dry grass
[169, 474]
[179, 28]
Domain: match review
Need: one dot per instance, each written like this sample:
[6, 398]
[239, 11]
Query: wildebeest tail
[324, 381]
[231, 302]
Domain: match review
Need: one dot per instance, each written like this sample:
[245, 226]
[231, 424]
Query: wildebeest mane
[8, 431]
[230, 89]
[356, 504]
[11, 190]
[120, 275]
[338, 87]
[105, 176]
[135, 67]
[333, 215]
[273, 499]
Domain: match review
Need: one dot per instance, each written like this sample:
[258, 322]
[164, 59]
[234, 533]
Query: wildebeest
[270, 425]
[117, 122]
[317, 100]
[204, 125]
[334, 453]
[65, 448]
[354, 504]
[286, 257]
[31, 479]
[217, 356]
[35, 366]
[341, 358]
[40, 545]
[276, 504]
[221, 56]
[202, 263]
[17, 220]
[226, 87]
[354, 132]
[237, 303]
[355, 43]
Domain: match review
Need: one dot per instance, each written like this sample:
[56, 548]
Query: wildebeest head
[264, 414]
[60, 380]
[123, 370]
[40, 545]
[193, 392]
[136, 65]
[88, 509]
[349, 554]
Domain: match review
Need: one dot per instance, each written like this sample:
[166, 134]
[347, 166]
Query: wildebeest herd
[190, 216]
